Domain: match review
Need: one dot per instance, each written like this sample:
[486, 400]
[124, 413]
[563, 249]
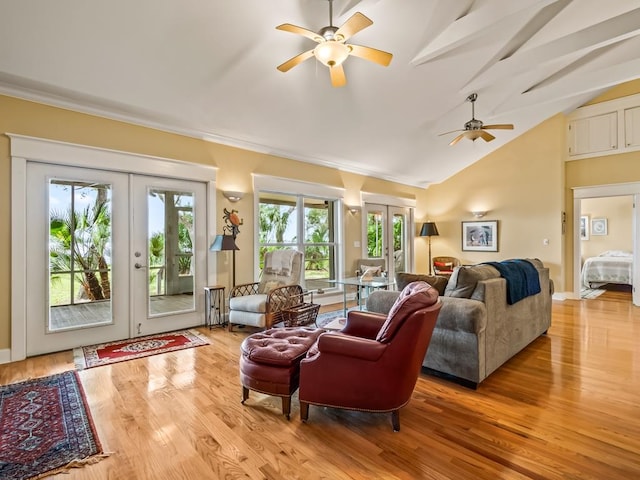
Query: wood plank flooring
[565, 408]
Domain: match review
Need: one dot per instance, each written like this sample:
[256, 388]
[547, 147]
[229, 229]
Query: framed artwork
[584, 227]
[599, 226]
[480, 236]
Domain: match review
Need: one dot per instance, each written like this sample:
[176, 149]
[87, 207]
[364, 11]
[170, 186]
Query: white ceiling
[208, 69]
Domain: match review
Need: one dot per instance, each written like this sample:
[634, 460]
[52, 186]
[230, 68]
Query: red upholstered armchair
[373, 363]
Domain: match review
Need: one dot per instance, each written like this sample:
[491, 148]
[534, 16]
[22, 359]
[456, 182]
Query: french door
[387, 236]
[110, 256]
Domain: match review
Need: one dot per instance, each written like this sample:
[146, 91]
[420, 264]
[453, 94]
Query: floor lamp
[225, 243]
[429, 230]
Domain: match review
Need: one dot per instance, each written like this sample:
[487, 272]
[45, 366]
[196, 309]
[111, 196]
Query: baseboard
[564, 296]
[5, 355]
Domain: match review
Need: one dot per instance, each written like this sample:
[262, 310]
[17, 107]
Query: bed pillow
[616, 253]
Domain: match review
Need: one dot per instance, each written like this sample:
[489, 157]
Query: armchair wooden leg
[395, 420]
[304, 411]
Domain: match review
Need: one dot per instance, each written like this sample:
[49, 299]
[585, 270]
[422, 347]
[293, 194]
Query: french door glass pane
[399, 234]
[79, 254]
[375, 234]
[170, 272]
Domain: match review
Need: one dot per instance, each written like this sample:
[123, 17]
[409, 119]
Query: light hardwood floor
[567, 407]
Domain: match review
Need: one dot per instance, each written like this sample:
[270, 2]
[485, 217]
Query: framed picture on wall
[599, 226]
[584, 227]
[480, 236]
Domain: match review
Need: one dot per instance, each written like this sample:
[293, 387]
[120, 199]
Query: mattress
[608, 267]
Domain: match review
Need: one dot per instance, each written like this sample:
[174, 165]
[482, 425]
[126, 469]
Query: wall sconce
[478, 214]
[353, 209]
[233, 196]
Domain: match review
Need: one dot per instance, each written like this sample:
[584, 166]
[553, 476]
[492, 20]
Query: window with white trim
[305, 223]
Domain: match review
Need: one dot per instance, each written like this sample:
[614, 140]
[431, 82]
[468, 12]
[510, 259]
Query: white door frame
[615, 190]
[25, 149]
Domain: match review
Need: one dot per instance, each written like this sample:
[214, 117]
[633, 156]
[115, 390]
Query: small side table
[214, 300]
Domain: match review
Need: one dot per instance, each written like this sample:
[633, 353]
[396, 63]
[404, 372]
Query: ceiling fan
[474, 128]
[332, 50]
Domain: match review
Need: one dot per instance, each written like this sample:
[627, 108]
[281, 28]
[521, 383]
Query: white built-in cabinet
[605, 128]
[632, 127]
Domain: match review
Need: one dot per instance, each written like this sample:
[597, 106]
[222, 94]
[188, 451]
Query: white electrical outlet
[356, 244]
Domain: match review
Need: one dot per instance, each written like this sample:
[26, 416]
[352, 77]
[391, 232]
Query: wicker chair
[444, 265]
[260, 304]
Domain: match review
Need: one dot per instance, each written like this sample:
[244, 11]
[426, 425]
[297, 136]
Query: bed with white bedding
[612, 266]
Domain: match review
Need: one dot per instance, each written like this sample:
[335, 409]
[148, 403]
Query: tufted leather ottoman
[270, 361]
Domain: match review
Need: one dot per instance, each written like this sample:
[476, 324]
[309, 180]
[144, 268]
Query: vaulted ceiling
[208, 69]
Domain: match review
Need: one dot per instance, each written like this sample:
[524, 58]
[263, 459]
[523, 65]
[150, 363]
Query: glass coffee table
[362, 286]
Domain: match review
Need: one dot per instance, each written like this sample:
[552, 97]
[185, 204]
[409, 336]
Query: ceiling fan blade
[452, 131]
[499, 126]
[371, 54]
[338, 78]
[292, 62]
[287, 27]
[356, 22]
[486, 136]
[456, 140]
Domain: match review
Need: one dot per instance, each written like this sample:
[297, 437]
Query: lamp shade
[429, 229]
[223, 242]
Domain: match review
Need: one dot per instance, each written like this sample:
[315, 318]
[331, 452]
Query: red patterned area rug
[45, 427]
[113, 352]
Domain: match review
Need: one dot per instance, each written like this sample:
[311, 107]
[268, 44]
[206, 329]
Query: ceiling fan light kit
[332, 50]
[474, 128]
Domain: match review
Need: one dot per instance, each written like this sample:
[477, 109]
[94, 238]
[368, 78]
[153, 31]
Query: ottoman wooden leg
[286, 406]
[245, 393]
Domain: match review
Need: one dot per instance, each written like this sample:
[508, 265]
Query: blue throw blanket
[521, 276]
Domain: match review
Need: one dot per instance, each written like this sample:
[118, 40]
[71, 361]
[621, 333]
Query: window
[305, 223]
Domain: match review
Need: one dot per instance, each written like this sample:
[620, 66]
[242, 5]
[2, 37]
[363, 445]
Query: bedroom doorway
[606, 239]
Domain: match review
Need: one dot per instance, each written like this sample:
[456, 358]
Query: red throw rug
[113, 352]
[45, 427]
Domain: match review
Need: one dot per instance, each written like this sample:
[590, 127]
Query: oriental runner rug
[122, 350]
[45, 427]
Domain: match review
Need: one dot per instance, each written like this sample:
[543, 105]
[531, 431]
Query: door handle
[138, 266]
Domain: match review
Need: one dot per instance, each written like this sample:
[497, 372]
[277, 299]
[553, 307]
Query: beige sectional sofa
[477, 330]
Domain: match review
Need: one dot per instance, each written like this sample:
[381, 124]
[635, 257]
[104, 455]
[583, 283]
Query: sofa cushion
[439, 283]
[464, 279]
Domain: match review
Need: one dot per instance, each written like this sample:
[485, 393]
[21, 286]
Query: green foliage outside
[276, 219]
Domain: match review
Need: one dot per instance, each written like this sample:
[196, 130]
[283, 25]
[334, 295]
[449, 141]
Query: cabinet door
[593, 134]
[632, 127]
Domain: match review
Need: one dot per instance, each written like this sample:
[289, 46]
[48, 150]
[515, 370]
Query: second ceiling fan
[332, 50]
[474, 128]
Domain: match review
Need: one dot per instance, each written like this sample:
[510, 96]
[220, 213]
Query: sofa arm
[381, 301]
[462, 315]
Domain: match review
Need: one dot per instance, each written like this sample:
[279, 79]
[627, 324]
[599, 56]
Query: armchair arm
[244, 289]
[280, 298]
[348, 346]
[363, 324]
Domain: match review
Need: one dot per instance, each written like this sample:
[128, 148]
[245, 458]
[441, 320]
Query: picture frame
[480, 236]
[599, 226]
[584, 227]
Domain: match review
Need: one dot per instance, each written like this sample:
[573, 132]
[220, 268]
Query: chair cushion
[413, 297]
[249, 303]
[252, 319]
